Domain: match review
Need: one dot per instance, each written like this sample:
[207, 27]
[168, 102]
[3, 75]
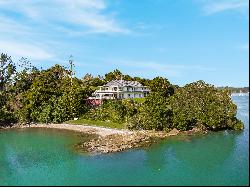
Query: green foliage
[90, 81]
[154, 113]
[2, 99]
[6, 118]
[116, 74]
[51, 95]
[112, 110]
[236, 124]
[53, 98]
[117, 111]
[131, 106]
[23, 79]
[199, 103]
[7, 69]
[160, 85]
[139, 100]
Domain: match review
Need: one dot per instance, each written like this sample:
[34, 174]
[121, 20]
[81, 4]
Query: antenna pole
[71, 69]
[71, 81]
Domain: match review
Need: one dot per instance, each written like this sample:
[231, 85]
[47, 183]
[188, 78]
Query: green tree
[90, 81]
[162, 86]
[202, 105]
[52, 97]
[116, 74]
[155, 113]
[7, 70]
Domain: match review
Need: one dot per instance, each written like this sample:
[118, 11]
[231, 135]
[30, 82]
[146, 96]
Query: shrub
[154, 113]
[6, 118]
[112, 110]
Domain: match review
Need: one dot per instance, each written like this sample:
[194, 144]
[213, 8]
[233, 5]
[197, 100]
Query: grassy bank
[139, 100]
[97, 123]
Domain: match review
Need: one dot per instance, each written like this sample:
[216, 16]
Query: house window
[139, 95]
[129, 95]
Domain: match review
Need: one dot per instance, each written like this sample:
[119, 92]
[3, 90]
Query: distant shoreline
[240, 94]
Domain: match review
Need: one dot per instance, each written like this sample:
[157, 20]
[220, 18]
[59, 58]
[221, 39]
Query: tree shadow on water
[206, 152]
[197, 152]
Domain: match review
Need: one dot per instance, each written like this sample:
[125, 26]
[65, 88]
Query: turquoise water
[46, 157]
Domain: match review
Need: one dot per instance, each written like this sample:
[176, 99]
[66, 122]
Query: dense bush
[7, 70]
[161, 86]
[56, 109]
[52, 98]
[117, 111]
[200, 104]
[6, 118]
[154, 113]
[111, 110]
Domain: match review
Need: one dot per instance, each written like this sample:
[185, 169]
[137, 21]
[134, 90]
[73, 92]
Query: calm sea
[46, 157]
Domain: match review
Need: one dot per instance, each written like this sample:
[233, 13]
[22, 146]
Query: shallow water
[47, 157]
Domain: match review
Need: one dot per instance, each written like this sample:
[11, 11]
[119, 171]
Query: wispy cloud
[216, 6]
[30, 51]
[152, 68]
[29, 28]
[88, 15]
[245, 47]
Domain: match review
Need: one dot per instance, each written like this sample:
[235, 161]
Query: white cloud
[156, 68]
[88, 15]
[216, 6]
[30, 51]
[30, 28]
[245, 47]
[162, 49]
[9, 27]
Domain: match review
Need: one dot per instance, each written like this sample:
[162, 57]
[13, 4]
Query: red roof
[94, 102]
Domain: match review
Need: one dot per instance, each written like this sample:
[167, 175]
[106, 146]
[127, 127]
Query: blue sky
[182, 40]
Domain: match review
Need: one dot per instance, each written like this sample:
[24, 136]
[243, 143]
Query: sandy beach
[101, 131]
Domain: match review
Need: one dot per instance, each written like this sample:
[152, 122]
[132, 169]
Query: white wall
[126, 95]
[138, 89]
[133, 95]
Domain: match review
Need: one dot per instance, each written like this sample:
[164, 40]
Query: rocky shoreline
[120, 142]
[109, 140]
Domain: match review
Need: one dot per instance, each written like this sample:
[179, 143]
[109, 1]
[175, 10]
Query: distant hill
[236, 90]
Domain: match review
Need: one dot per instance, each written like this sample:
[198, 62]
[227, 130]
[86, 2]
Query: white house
[120, 89]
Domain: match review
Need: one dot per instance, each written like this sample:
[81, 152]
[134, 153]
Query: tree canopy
[53, 96]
